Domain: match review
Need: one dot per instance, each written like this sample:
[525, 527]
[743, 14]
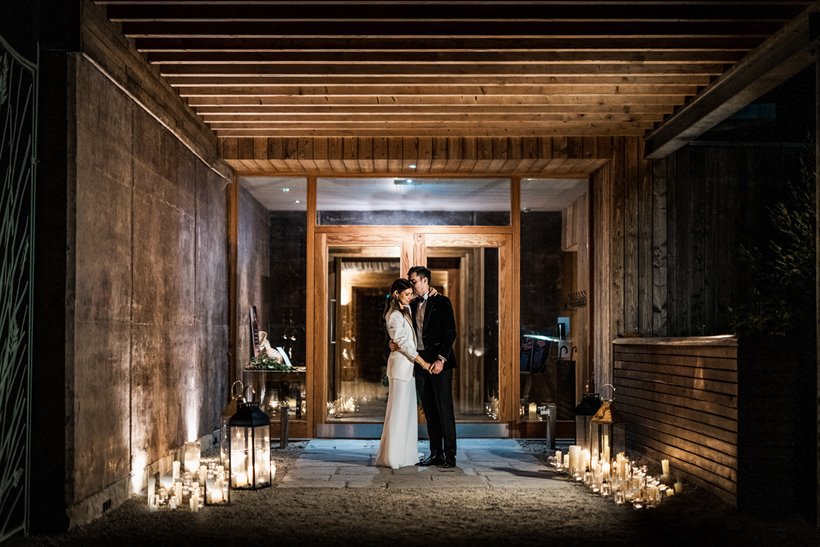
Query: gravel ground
[566, 513]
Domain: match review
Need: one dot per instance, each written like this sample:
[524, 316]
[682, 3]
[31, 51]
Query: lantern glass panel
[249, 444]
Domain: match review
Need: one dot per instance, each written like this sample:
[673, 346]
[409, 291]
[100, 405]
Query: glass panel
[413, 202]
[469, 277]
[548, 272]
[272, 250]
[358, 279]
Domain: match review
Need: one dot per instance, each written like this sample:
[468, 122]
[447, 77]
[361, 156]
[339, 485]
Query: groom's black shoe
[447, 463]
[433, 459]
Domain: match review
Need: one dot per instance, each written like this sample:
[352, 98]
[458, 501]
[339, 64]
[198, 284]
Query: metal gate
[18, 137]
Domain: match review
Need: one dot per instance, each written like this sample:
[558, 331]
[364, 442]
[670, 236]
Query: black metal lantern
[585, 437]
[249, 447]
[610, 427]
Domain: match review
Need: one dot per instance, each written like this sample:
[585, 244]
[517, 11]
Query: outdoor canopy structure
[149, 112]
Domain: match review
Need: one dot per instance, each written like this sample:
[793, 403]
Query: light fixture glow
[412, 166]
[286, 189]
[138, 462]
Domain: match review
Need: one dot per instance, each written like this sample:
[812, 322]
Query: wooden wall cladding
[679, 400]
[559, 156]
[710, 201]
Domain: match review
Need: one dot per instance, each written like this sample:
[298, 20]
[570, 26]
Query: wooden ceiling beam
[737, 41]
[420, 28]
[344, 12]
[436, 57]
[438, 88]
[219, 119]
[561, 129]
[377, 110]
[786, 53]
[663, 82]
[454, 69]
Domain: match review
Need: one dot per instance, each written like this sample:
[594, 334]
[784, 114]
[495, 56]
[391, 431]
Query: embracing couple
[422, 329]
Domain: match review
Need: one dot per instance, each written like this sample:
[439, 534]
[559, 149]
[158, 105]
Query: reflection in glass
[358, 343]
[413, 202]
[358, 279]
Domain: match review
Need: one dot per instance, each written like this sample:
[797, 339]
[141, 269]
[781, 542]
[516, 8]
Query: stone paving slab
[481, 463]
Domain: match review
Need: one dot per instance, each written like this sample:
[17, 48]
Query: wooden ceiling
[332, 68]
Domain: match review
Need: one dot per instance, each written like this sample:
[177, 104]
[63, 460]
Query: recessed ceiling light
[286, 189]
[412, 166]
[297, 201]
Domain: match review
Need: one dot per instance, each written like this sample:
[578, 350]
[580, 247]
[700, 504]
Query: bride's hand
[432, 291]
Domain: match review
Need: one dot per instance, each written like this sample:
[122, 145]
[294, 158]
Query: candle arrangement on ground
[623, 480]
[189, 488]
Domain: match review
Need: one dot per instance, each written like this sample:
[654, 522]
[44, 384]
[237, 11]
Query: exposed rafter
[435, 68]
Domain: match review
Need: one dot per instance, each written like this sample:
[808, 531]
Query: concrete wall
[149, 328]
[253, 273]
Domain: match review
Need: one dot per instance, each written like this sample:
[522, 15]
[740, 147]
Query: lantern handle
[234, 393]
[612, 396]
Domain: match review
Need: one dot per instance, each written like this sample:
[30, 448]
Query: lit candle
[574, 458]
[533, 408]
[605, 470]
[175, 475]
[678, 487]
[665, 468]
[559, 458]
[191, 456]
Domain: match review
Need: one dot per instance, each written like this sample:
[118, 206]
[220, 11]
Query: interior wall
[253, 274]
[288, 271]
[149, 318]
[541, 281]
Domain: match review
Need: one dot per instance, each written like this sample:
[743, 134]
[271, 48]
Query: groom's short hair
[420, 271]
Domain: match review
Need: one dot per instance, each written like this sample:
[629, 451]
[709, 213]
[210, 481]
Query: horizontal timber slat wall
[679, 400]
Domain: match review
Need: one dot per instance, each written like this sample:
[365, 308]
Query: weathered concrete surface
[150, 297]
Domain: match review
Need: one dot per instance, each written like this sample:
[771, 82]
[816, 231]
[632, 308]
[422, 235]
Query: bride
[399, 443]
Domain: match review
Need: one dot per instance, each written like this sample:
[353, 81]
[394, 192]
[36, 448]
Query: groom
[435, 332]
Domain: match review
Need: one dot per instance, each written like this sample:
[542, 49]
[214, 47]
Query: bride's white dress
[400, 437]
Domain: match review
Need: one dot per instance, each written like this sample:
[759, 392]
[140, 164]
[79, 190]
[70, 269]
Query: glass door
[358, 269]
[358, 280]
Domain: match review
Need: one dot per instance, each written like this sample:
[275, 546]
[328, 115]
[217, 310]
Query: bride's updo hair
[399, 285]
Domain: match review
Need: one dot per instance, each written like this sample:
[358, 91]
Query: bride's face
[405, 297]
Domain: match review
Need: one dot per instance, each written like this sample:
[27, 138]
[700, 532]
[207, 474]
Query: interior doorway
[355, 276]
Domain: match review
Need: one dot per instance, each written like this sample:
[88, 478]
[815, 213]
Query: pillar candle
[665, 467]
[678, 487]
[574, 458]
[175, 474]
[559, 458]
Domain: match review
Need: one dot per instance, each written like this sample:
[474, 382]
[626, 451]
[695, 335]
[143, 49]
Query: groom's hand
[438, 366]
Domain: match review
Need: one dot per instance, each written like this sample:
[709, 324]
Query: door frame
[413, 242]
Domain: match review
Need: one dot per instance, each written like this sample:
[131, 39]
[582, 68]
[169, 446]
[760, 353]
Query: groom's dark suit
[436, 390]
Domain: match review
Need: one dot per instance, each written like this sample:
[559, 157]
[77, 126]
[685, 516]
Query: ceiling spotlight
[412, 166]
[286, 189]
[402, 182]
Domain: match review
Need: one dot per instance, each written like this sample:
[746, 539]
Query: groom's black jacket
[439, 332]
